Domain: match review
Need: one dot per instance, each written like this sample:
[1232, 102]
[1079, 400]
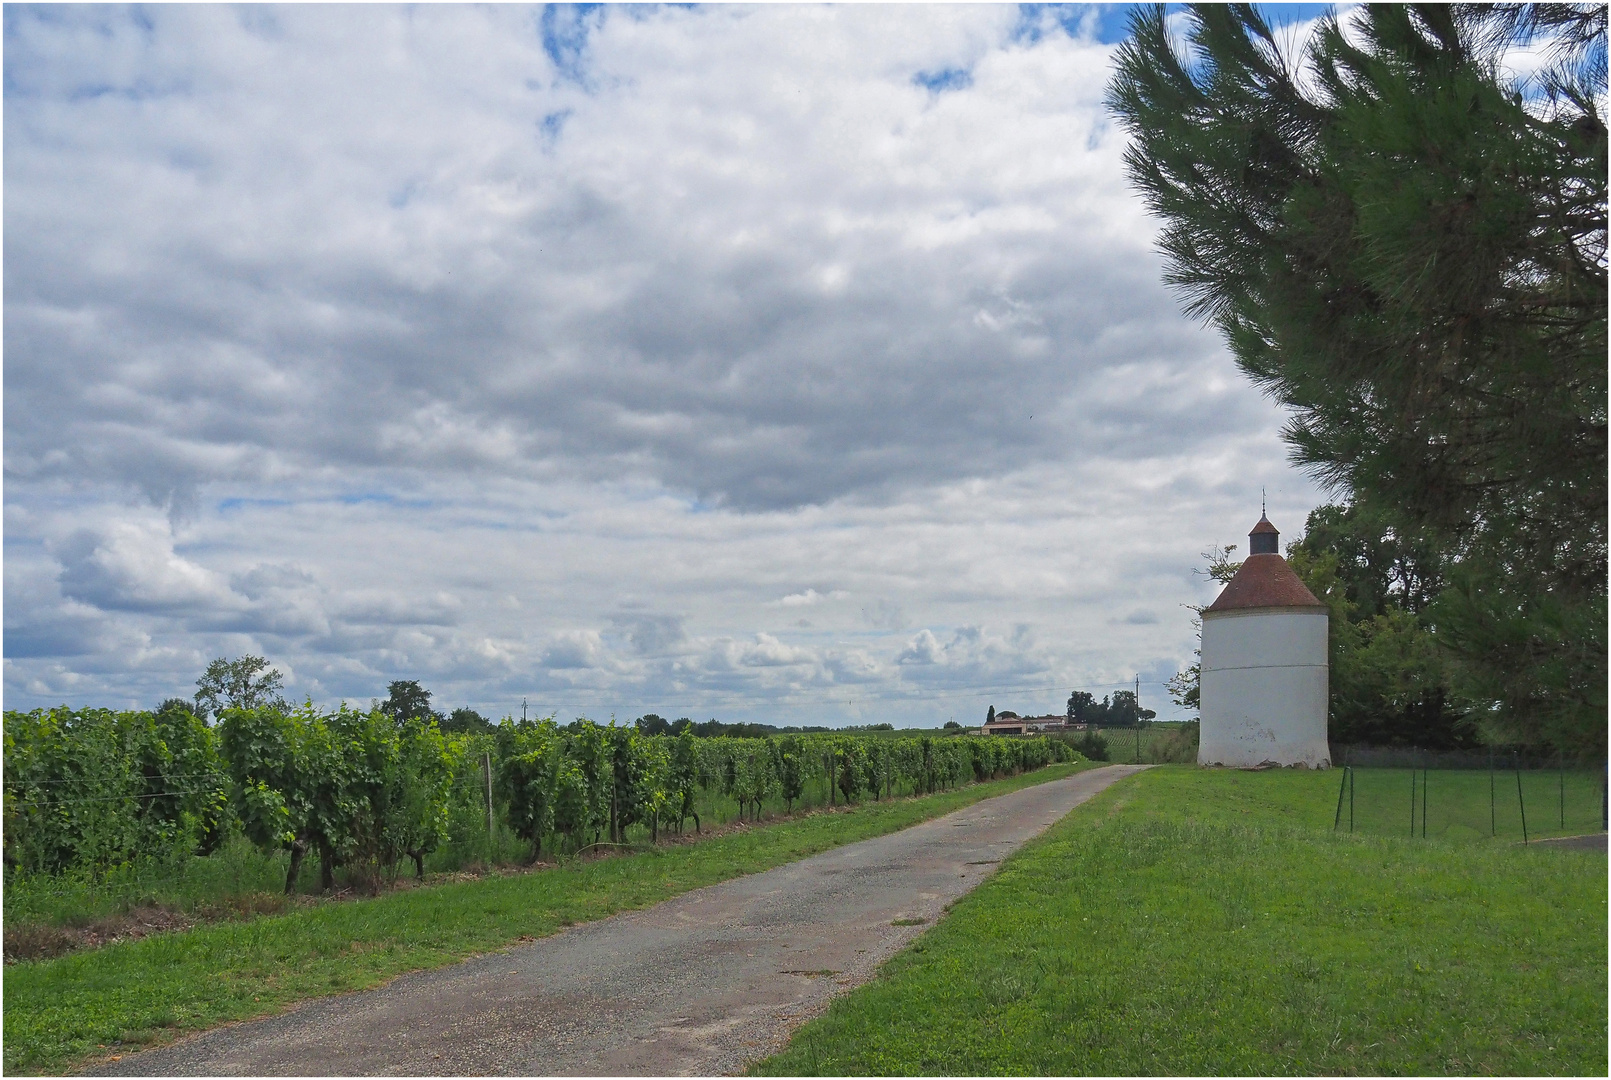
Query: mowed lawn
[1193, 921]
[112, 1000]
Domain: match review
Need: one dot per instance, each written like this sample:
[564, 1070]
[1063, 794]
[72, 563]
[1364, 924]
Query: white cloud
[131, 566]
[566, 356]
[925, 648]
[768, 651]
[812, 596]
[573, 649]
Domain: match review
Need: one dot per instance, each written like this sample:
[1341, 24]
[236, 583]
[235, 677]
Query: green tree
[1125, 711]
[652, 724]
[1390, 679]
[466, 720]
[237, 684]
[1406, 247]
[407, 700]
[1079, 704]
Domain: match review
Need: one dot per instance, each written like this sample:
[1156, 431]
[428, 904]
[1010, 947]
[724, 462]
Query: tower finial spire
[1263, 509]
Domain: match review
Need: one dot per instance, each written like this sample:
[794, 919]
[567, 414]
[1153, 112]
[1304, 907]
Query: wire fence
[1469, 795]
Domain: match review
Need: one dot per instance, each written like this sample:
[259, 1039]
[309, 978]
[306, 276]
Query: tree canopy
[237, 684]
[1119, 710]
[407, 700]
[1406, 246]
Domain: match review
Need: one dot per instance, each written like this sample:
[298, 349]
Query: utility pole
[1138, 720]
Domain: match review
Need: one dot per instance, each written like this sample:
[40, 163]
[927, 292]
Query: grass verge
[60, 1012]
[1208, 922]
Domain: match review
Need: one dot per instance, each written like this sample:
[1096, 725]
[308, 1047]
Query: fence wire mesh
[1461, 795]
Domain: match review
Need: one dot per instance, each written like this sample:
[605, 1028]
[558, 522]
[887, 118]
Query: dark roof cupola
[1264, 539]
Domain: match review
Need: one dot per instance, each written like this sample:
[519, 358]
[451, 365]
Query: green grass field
[1209, 922]
[89, 1004]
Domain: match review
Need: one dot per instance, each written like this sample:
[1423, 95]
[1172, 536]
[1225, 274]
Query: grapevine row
[90, 789]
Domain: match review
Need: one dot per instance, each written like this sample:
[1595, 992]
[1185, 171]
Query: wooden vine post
[486, 776]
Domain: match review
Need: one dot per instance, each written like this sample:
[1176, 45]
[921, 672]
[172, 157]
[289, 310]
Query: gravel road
[701, 984]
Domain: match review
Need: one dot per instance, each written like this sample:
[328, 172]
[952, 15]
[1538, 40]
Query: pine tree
[1407, 248]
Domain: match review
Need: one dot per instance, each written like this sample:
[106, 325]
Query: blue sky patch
[565, 29]
[1109, 24]
[938, 82]
[554, 123]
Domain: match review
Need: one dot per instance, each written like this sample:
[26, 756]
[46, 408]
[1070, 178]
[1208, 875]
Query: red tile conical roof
[1264, 581]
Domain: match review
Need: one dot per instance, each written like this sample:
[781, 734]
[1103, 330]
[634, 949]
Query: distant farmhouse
[1010, 723]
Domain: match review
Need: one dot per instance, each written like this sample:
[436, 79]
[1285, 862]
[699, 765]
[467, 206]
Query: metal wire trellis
[96, 779]
[116, 798]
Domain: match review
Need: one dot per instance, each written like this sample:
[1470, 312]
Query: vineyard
[90, 792]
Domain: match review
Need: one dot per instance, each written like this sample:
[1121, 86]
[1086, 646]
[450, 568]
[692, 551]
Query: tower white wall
[1264, 688]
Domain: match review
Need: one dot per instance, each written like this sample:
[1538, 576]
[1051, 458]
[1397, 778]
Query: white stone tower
[1264, 669]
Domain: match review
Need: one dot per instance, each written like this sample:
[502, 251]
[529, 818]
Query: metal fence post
[1515, 760]
[1412, 804]
[1560, 761]
[1424, 787]
[1493, 814]
[1350, 800]
[1341, 788]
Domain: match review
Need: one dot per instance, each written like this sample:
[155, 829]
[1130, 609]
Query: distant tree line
[651, 724]
[1121, 709]
[248, 682]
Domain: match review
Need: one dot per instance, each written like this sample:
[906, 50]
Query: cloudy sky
[798, 364]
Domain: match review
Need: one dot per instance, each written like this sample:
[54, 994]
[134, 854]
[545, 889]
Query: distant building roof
[1264, 581]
